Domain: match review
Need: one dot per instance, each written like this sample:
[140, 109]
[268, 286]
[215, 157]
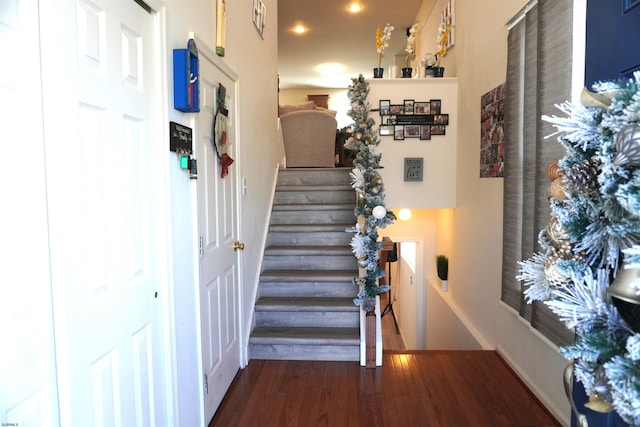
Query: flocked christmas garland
[369, 188]
[593, 234]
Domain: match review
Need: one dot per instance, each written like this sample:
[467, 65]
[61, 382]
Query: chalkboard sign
[180, 138]
[413, 168]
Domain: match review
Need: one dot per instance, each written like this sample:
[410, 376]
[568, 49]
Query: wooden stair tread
[314, 207]
[324, 304]
[311, 187]
[307, 250]
[309, 228]
[311, 275]
[311, 336]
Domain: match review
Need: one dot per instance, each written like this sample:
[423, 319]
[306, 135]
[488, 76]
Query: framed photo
[408, 106]
[398, 132]
[425, 132]
[440, 119]
[259, 15]
[385, 130]
[396, 109]
[411, 131]
[436, 105]
[437, 129]
[422, 108]
[385, 107]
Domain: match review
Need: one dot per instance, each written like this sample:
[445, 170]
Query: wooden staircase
[305, 307]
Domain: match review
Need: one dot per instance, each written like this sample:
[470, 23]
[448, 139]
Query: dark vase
[406, 72]
[377, 72]
[438, 71]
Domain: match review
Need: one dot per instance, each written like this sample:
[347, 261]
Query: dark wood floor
[412, 388]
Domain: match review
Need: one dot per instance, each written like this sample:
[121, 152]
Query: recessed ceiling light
[299, 29]
[354, 7]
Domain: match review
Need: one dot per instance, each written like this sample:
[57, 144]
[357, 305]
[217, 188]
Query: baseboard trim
[557, 413]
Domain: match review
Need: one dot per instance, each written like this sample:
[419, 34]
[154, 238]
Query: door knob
[237, 245]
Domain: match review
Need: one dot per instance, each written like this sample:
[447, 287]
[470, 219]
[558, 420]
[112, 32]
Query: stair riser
[315, 197]
[311, 262]
[298, 319]
[333, 238]
[314, 177]
[316, 217]
[305, 352]
[325, 289]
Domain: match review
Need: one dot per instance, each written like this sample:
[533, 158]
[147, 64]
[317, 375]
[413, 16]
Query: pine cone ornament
[582, 177]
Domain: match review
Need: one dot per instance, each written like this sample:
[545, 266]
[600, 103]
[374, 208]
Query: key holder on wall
[220, 134]
[181, 143]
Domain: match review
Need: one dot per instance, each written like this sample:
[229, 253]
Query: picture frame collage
[412, 119]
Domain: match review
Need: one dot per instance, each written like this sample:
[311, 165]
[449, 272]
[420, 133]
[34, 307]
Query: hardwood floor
[391, 339]
[412, 388]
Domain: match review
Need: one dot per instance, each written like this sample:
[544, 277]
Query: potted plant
[442, 266]
[443, 41]
[383, 41]
[406, 71]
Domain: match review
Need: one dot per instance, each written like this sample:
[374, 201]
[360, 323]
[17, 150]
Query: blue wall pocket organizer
[186, 79]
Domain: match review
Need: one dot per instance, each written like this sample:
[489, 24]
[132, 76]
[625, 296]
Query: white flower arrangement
[411, 38]
[383, 40]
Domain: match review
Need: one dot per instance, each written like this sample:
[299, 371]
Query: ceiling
[336, 36]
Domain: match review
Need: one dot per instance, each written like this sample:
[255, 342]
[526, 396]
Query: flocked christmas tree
[367, 183]
[593, 235]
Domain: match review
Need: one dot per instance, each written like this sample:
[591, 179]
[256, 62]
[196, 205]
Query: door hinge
[201, 247]
[206, 384]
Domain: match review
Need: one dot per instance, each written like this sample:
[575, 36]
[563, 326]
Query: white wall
[254, 60]
[446, 329]
[437, 189]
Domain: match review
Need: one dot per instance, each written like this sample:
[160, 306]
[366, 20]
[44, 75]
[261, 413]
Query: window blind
[538, 77]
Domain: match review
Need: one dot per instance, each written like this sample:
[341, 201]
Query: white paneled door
[106, 206]
[27, 364]
[218, 228]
